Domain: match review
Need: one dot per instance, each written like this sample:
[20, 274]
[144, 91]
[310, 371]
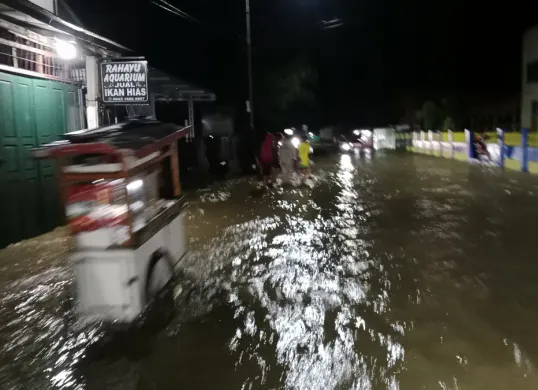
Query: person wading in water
[288, 158]
[304, 158]
[266, 159]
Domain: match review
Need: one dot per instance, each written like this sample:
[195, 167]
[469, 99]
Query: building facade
[529, 87]
[49, 85]
[41, 98]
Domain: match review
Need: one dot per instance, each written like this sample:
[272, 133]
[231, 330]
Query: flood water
[399, 272]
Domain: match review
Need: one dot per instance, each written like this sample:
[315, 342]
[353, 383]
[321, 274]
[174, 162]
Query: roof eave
[46, 17]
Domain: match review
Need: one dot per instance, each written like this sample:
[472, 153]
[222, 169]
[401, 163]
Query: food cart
[121, 193]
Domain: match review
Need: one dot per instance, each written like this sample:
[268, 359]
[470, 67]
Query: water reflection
[395, 272]
[310, 283]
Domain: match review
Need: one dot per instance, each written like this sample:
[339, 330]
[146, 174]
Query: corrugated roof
[32, 16]
[170, 88]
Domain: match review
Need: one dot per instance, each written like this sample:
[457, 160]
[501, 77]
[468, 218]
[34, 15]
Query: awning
[26, 19]
[32, 18]
[164, 87]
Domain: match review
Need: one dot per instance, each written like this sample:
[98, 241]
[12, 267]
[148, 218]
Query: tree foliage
[286, 89]
[429, 115]
[448, 124]
[295, 84]
[444, 116]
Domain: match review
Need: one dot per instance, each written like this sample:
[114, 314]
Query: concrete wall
[529, 90]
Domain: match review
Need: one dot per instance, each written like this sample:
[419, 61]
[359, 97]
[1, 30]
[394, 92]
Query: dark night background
[388, 54]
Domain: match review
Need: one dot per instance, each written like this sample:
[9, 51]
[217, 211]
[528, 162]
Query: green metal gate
[32, 112]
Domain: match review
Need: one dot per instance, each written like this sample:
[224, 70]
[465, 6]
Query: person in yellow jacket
[304, 157]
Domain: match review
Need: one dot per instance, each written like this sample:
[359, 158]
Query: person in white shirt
[288, 157]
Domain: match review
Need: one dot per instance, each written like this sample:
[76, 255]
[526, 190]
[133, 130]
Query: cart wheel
[160, 300]
[151, 290]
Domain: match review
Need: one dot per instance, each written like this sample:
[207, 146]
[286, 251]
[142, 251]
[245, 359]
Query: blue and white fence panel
[432, 142]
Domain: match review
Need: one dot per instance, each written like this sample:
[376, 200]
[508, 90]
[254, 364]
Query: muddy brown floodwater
[399, 272]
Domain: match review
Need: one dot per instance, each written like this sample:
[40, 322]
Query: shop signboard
[124, 82]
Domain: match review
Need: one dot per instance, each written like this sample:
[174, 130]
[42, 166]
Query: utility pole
[250, 103]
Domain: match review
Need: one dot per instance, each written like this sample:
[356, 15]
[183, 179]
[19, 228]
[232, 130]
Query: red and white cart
[121, 190]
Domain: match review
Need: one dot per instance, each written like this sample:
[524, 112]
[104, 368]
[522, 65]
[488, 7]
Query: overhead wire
[172, 8]
[333, 23]
[163, 4]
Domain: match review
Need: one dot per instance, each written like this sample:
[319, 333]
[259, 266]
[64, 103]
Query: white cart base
[117, 284]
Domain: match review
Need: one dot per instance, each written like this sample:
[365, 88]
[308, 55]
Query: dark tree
[287, 91]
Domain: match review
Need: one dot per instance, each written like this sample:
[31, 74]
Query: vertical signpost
[430, 138]
[191, 119]
[451, 142]
[500, 143]
[525, 150]
[250, 108]
[469, 140]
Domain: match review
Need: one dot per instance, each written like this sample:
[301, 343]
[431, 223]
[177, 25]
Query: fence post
[469, 140]
[440, 139]
[525, 150]
[430, 138]
[451, 142]
[423, 140]
[500, 142]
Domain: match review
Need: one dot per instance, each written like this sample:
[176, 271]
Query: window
[532, 72]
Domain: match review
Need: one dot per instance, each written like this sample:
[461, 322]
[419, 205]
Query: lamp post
[250, 104]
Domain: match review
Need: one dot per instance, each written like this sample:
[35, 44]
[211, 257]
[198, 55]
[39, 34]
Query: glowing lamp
[65, 50]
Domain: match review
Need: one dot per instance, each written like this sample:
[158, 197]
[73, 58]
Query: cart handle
[59, 151]
[72, 149]
[159, 144]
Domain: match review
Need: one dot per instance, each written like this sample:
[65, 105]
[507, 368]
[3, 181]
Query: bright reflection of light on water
[309, 282]
[378, 277]
[346, 163]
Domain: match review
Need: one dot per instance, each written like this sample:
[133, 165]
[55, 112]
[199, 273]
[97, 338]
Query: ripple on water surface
[399, 272]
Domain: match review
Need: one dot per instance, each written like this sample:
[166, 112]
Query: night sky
[385, 50]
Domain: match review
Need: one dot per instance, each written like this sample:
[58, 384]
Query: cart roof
[137, 137]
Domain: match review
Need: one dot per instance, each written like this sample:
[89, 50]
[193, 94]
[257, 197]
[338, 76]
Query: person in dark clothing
[276, 157]
[481, 147]
[265, 160]
[218, 166]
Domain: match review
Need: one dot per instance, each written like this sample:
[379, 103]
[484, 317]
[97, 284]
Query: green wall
[32, 112]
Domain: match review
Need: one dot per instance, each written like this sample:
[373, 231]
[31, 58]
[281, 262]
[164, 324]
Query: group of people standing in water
[278, 153]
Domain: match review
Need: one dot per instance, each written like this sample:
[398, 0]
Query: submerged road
[400, 272]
